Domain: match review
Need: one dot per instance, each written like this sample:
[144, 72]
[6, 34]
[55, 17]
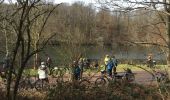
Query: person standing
[49, 63]
[106, 61]
[115, 63]
[42, 72]
[108, 65]
[81, 66]
[75, 71]
[150, 61]
[5, 67]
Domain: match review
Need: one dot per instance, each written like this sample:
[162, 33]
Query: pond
[62, 54]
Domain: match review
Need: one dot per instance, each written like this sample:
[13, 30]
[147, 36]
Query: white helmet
[42, 63]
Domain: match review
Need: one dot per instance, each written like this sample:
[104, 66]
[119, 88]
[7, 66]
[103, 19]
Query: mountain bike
[58, 71]
[26, 83]
[87, 81]
[42, 85]
[127, 76]
[29, 83]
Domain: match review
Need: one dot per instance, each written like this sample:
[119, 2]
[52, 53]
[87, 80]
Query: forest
[82, 39]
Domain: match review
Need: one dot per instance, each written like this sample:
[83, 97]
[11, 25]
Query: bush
[70, 91]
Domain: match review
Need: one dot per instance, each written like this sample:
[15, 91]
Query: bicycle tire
[41, 85]
[100, 82]
[130, 77]
[62, 71]
[55, 73]
[24, 84]
[21, 85]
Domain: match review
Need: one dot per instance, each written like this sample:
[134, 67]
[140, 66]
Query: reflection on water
[64, 54]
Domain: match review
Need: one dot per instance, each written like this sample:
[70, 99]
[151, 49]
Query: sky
[72, 1]
[63, 1]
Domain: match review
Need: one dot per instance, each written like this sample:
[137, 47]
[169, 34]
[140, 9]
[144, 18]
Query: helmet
[74, 62]
[84, 59]
[107, 55]
[42, 63]
[81, 59]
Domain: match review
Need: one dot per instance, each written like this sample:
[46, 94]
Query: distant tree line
[85, 24]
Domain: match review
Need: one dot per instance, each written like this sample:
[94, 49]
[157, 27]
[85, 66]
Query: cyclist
[106, 60]
[108, 65]
[81, 65]
[96, 65]
[49, 62]
[85, 63]
[115, 63]
[5, 66]
[43, 72]
[76, 71]
[150, 62]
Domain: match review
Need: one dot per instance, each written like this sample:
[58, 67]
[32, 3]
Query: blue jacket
[77, 70]
[114, 61]
[110, 65]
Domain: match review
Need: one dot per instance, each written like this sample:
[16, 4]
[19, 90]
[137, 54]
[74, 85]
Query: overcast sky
[62, 1]
[72, 1]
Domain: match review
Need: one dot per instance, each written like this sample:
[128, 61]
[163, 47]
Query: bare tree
[156, 29]
[22, 19]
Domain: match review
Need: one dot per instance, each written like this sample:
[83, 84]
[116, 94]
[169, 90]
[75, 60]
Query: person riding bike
[43, 72]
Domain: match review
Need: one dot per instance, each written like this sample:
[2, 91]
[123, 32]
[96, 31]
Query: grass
[120, 68]
[31, 72]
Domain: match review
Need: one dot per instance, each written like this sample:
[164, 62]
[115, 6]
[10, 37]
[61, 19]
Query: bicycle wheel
[38, 85]
[66, 69]
[45, 86]
[41, 85]
[62, 71]
[100, 82]
[130, 77]
[55, 73]
[22, 85]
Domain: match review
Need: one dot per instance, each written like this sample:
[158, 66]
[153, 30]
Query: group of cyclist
[78, 67]
[110, 64]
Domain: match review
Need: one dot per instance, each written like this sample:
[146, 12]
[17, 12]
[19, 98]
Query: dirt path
[141, 77]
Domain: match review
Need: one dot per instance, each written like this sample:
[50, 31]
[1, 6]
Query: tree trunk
[17, 82]
[35, 60]
[168, 41]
